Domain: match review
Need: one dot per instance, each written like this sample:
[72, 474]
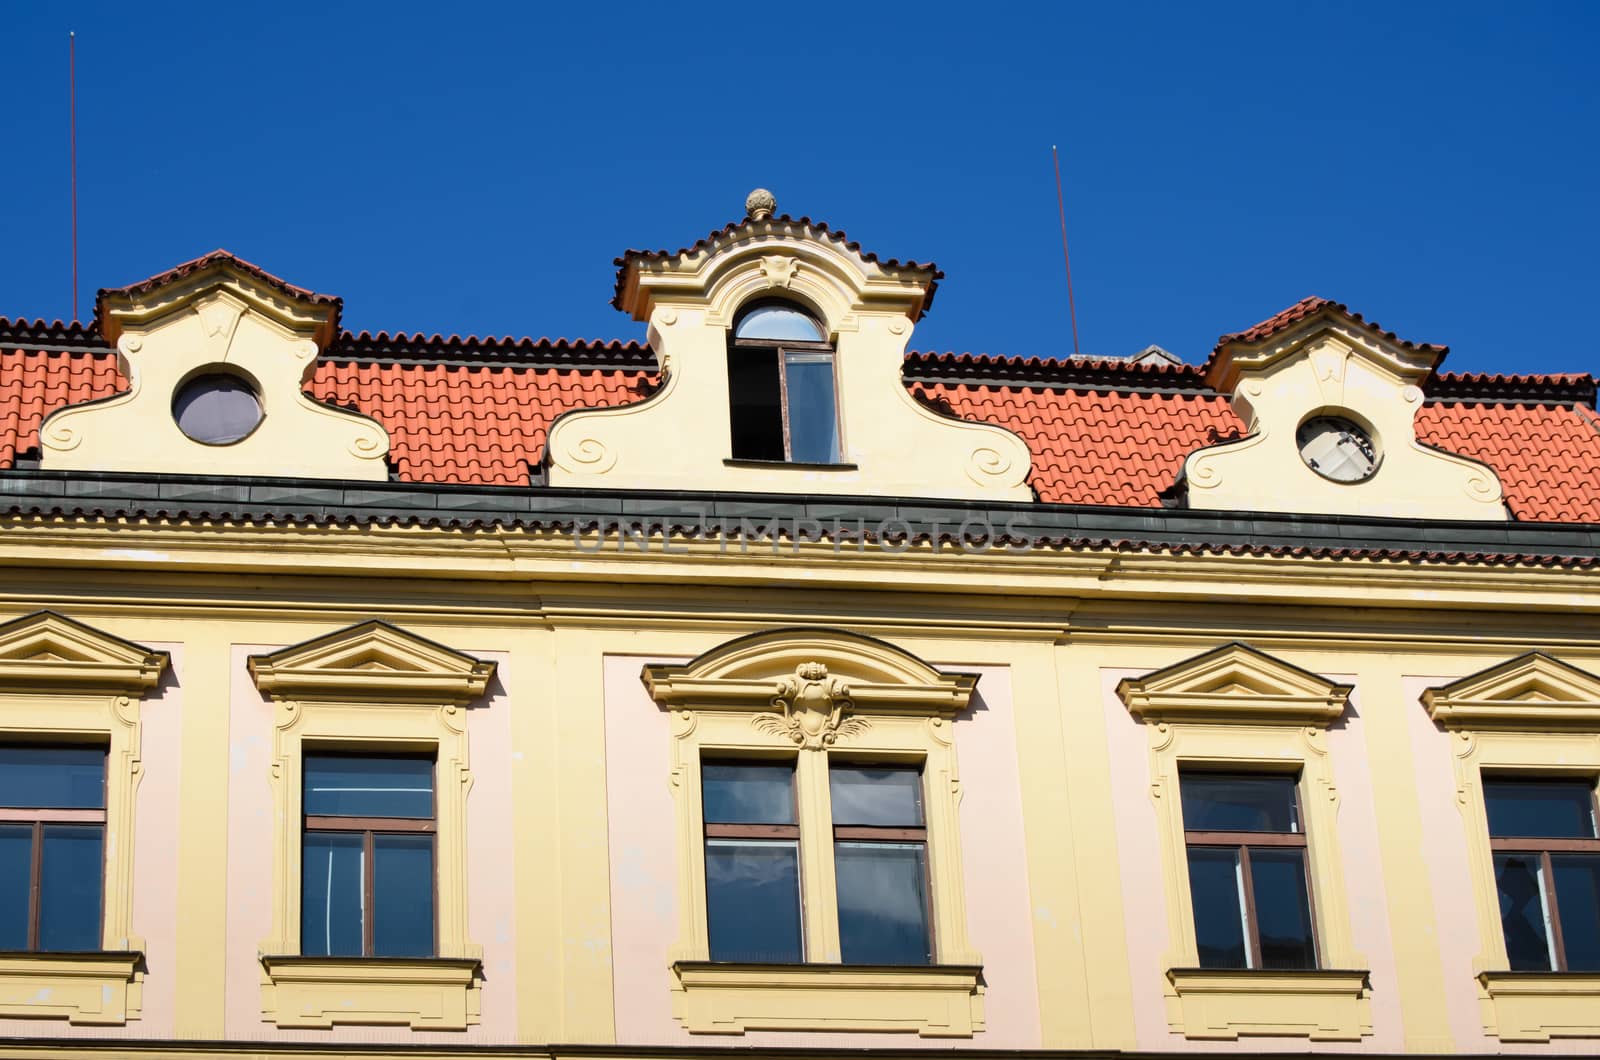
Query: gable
[372, 661]
[46, 650]
[1234, 683]
[1532, 691]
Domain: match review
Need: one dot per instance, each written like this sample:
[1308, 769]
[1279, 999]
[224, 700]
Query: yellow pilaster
[1411, 918]
[576, 698]
[203, 834]
[535, 758]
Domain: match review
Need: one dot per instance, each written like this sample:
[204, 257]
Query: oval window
[1337, 449]
[216, 409]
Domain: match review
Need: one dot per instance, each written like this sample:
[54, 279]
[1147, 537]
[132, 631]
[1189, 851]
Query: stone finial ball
[759, 204]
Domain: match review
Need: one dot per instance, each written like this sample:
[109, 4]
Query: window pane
[747, 793]
[1540, 808]
[755, 410]
[1217, 892]
[813, 414]
[778, 322]
[402, 895]
[1577, 878]
[16, 869]
[332, 894]
[866, 796]
[753, 900]
[1214, 803]
[1283, 908]
[1523, 916]
[883, 903]
[72, 778]
[69, 887]
[368, 786]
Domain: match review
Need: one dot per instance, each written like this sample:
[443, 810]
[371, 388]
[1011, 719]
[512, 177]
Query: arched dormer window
[782, 398]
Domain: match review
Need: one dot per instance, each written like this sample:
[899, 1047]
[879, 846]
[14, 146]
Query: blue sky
[474, 168]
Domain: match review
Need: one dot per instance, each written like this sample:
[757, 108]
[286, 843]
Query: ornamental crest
[812, 705]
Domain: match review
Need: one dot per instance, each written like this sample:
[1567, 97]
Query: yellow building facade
[605, 600]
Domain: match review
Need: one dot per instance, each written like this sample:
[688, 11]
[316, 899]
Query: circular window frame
[1361, 424]
[228, 371]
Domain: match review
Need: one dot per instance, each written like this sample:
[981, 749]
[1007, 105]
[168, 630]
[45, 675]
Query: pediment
[47, 651]
[1532, 691]
[750, 672]
[372, 661]
[143, 305]
[1234, 683]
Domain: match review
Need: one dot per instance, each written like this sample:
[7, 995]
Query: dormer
[1329, 402]
[216, 353]
[781, 344]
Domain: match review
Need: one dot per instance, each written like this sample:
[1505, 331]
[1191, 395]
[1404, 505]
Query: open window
[783, 403]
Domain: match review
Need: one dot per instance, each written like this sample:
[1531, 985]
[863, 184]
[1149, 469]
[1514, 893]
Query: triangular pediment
[222, 285]
[873, 674]
[45, 650]
[1310, 327]
[1532, 691]
[1234, 683]
[372, 661]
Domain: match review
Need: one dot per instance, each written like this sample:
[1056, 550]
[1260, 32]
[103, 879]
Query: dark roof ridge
[39, 330]
[416, 347]
[1085, 372]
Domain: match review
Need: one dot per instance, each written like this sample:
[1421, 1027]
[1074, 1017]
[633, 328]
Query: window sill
[1538, 1006]
[935, 1001]
[770, 465]
[423, 993]
[1223, 1003]
[100, 988]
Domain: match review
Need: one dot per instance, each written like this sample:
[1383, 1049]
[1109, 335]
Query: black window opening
[52, 848]
[367, 857]
[1546, 849]
[1248, 877]
[752, 862]
[880, 861]
[783, 400]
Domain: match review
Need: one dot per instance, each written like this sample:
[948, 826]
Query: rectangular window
[52, 847]
[1247, 871]
[752, 862]
[880, 855]
[367, 857]
[1547, 871]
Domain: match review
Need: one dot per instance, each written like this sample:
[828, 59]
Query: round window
[216, 409]
[1337, 449]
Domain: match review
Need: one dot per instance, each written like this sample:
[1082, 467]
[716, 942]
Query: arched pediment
[1532, 691]
[754, 672]
[372, 661]
[1234, 683]
[45, 650]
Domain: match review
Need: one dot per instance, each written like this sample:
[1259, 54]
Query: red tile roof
[477, 411]
[470, 424]
[34, 383]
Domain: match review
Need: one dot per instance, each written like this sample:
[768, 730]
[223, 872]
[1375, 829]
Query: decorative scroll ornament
[813, 706]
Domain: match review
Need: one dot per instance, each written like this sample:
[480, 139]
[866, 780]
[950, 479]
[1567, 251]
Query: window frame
[1532, 715]
[328, 700]
[1238, 710]
[38, 817]
[777, 695]
[1544, 846]
[367, 828]
[779, 348]
[1241, 842]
